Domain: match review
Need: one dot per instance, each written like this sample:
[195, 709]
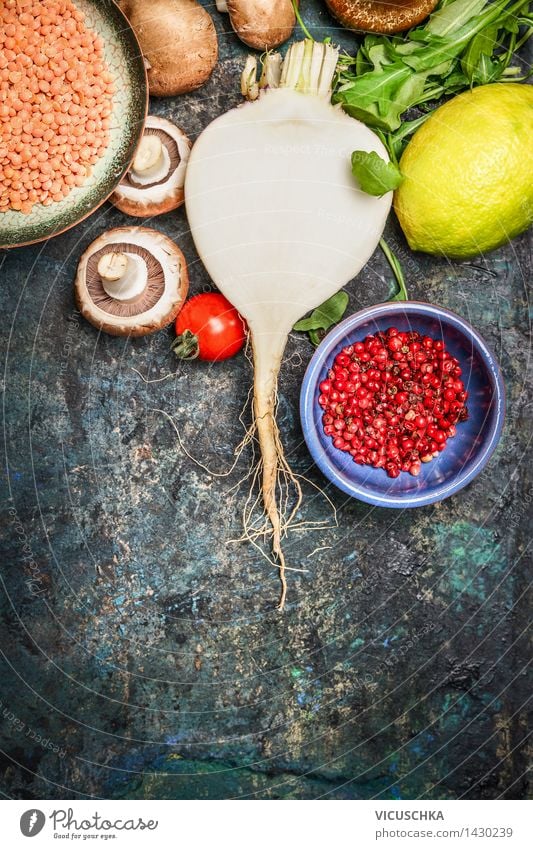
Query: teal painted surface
[148, 652]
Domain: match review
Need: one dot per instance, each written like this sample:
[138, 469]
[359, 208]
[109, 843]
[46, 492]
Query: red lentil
[55, 101]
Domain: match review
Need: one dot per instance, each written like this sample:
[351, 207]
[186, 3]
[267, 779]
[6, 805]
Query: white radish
[280, 223]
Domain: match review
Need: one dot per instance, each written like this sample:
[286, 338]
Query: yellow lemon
[468, 171]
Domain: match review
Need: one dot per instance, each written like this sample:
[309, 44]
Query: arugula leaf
[378, 56]
[324, 317]
[363, 97]
[481, 47]
[446, 21]
[374, 175]
[463, 43]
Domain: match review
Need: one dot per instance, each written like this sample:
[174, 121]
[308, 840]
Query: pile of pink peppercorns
[393, 400]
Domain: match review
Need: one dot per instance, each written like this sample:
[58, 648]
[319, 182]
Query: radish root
[273, 459]
[275, 492]
[155, 379]
[247, 438]
[267, 353]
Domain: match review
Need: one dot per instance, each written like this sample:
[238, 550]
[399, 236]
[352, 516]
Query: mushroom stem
[124, 276]
[112, 267]
[152, 161]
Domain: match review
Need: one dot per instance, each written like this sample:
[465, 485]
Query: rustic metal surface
[142, 655]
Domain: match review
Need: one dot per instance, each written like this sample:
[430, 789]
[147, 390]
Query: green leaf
[464, 43]
[378, 56]
[407, 94]
[332, 310]
[481, 47]
[401, 294]
[395, 141]
[324, 317]
[447, 21]
[362, 98]
[362, 63]
[316, 336]
[374, 175]
[368, 116]
[313, 322]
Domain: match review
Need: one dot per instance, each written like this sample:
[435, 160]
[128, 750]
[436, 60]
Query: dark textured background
[142, 656]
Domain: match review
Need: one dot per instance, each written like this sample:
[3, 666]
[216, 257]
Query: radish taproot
[280, 223]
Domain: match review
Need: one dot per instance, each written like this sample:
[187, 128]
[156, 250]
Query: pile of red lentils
[56, 98]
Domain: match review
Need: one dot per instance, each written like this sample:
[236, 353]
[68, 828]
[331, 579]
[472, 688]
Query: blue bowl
[465, 454]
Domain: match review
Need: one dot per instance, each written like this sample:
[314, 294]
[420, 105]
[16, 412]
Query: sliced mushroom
[154, 183]
[261, 24]
[178, 40]
[131, 281]
[379, 15]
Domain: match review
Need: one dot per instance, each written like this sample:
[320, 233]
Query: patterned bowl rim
[126, 165]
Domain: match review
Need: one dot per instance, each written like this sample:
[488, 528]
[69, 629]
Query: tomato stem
[186, 346]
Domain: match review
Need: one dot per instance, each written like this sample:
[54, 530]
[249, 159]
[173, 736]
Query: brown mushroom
[380, 16]
[154, 183]
[131, 281]
[178, 40]
[261, 24]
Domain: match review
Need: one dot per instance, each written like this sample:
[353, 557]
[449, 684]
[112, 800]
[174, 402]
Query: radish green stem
[397, 270]
[300, 21]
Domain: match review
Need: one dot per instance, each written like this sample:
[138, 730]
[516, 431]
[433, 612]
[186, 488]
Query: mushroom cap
[163, 195]
[178, 41]
[157, 306]
[378, 16]
[262, 24]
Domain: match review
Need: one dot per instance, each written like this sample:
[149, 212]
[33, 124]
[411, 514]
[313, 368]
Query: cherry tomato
[210, 328]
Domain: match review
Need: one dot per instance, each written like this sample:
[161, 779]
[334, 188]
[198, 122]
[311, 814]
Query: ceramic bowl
[130, 102]
[465, 455]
